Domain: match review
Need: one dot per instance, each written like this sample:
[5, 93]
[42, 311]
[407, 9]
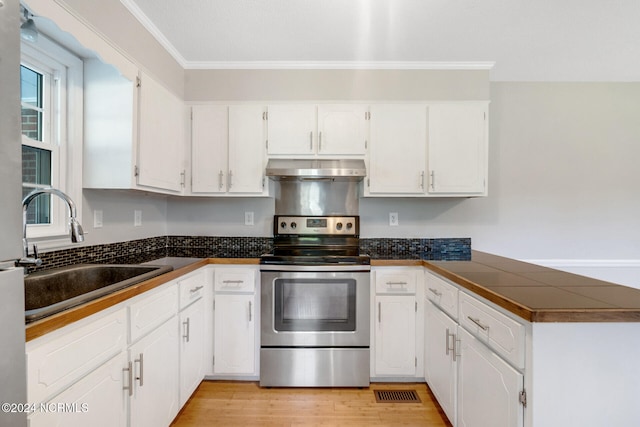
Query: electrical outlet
[137, 218]
[248, 218]
[393, 218]
[97, 218]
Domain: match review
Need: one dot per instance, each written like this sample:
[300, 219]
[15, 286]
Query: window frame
[64, 134]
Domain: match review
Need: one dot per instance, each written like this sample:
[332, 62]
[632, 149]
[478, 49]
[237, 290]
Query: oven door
[315, 309]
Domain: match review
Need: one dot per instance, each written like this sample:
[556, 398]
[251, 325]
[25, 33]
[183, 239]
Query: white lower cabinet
[236, 320]
[395, 329]
[234, 336]
[89, 374]
[474, 363]
[440, 369]
[97, 400]
[155, 400]
[396, 323]
[488, 388]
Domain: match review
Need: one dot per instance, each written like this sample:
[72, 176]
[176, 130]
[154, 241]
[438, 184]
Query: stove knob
[339, 226]
[283, 224]
[294, 225]
[349, 226]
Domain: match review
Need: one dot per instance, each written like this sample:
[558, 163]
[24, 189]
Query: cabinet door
[209, 142]
[457, 149]
[234, 335]
[439, 366]
[488, 387]
[98, 400]
[161, 137]
[341, 129]
[395, 335]
[246, 149]
[397, 153]
[191, 349]
[291, 129]
[54, 364]
[155, 400]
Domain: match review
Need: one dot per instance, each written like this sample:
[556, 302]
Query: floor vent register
[396, 396]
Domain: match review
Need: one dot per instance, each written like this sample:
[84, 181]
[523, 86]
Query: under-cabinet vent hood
[316, 169]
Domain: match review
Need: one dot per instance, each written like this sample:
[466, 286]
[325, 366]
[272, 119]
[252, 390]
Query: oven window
[315, 305]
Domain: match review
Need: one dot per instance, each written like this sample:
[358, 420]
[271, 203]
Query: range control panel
[317, 225]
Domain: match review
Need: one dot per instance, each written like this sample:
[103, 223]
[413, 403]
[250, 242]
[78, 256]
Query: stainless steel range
[315, 304]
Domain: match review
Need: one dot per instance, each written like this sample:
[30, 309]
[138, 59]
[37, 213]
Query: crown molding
[155, 32]
[337, 65]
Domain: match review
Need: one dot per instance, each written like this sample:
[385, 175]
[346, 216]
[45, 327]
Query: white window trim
[69, 173]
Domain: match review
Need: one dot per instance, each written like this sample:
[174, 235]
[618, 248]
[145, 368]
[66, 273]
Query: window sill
[52, 243]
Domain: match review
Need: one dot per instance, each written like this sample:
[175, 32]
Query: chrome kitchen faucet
[77, 235]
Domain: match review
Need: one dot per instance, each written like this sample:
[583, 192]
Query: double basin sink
[51, 291]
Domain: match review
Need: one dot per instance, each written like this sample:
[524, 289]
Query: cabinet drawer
[235, 280]
[59, 362]
[396, 281]
[191, 288]
[442, 294]
[498, 331]
[152, 311]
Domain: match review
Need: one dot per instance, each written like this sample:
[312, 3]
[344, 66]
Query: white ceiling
[528, 40]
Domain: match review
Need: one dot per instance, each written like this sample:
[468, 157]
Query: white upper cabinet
[309, 130]
[457, 149]
[342, 129]
[397, 152]
[227, 150]
[246, 150]
[161, 137]
[291, 129]
[209, 148]
[134, 132]
[434, 149]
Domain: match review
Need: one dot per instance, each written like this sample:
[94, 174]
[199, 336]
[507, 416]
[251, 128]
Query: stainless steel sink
[51, 291]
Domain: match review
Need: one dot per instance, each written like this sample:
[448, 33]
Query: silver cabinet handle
[196, 289]
[233, 282]
[230, 179]
[311, 141]
[435, 292]
[319, 141]
[220, 176]
[129, 387]
[447, 349]
[456, 347]
[477, 322]
[250, 314]
[433, 180]
[396, 283]
[140, 377]
[422, 180]
[186, 329]
[379, 312]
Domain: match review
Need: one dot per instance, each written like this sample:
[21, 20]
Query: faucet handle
[35, 251]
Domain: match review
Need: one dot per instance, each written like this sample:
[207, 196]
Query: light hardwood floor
[246, 403]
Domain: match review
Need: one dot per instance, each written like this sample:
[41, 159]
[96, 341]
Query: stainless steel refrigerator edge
[13, 382]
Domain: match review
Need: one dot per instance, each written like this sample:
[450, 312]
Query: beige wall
[564, 182]
[330, 85]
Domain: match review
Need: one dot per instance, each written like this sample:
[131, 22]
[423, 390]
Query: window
[51, 98]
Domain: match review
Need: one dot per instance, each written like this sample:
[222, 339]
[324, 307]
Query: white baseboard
[620, 271]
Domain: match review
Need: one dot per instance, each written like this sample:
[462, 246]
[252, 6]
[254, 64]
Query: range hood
[316, 169]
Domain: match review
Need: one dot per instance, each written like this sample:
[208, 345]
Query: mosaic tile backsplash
[143, 250]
